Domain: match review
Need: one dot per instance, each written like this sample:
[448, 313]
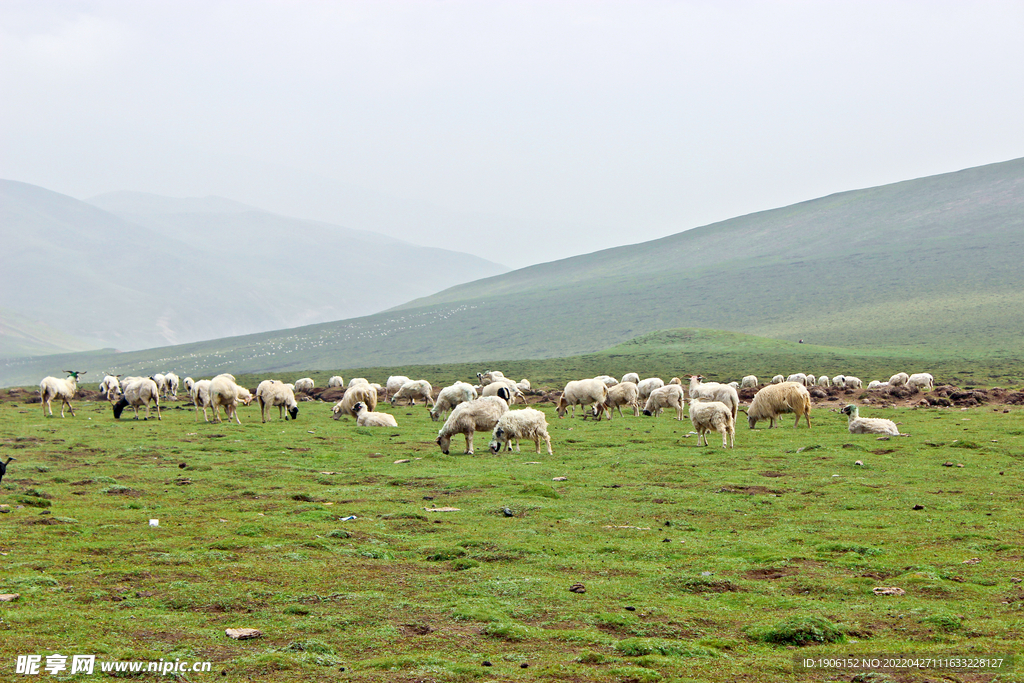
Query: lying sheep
[200, 394]
[225, 393]
[138, 392]
[414, 389]
[336, 381]
[630, 377]
[514, 425]
[460, 392]
[776, 399]
[394, 385]
[669, 396]
[920, 380]
[868, 425]
[472, 416]
[899, 379]
[622, 394]
[305, 384]
[355, 394]
[749, 382]
[713, 415]
[582, 392]
[64, 389]
[713, 391]
[366, 418]
[271, 392]
[646, 386]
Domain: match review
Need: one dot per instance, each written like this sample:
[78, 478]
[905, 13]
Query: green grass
[699, 564]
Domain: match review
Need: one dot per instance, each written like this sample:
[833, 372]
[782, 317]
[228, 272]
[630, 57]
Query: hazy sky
[521, 131]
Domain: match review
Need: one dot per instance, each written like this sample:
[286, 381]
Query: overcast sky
[520, 131]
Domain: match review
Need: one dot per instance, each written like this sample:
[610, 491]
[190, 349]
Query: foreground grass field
[698, 564]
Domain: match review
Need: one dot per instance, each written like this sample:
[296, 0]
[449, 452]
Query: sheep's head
[444, 442]
[850, 410]
[358, 407]
[496, 440]
[647, 412]
[119, 407]
[294, 412]
[434, 416]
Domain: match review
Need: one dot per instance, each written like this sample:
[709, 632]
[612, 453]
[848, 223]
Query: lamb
[335, 381]
[472, 416]
[920, 380]
[581, 392]
[412, 390]
[670, 396]
[171, 384]
[138, 392]
[899, 379]
[630, 377]
[776, 399]
[354, 394]
[224, 392]
[271, 392]
[460, 392]
[713, 415]
[778, 379]
[515, 425]
[489, 376]
[713, 391]
[64, 389]
[200, 394]
[608, 380]
[622, 394]
[749, 382]
[851, 382]
[868, 425]
[110, 387]
[305, 384]
[394, 385]
[648, 385]
[366, 418]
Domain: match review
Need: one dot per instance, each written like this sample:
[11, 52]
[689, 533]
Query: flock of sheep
[486, 406]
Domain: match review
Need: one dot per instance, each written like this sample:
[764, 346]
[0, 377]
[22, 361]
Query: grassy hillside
[22, 336]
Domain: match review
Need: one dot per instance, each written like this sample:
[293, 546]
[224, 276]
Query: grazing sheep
[460, 392]
[778, 379]
[669, 396]
[734, 385]
[608, 380]
[514, 425]
[171, 385]
[161, 382]
[630, 377]
[875, 384]
[335, 381]
[676, 380]
[414, 389]
[646, 386]
[824, 381]
[713, 391]
[776, 399]
[920, 380]
[798, 377]
[110, 387]
[839, 381]
[622, 394]
[394, 385]
[138, 392]
[354, 394]
[852, 382]
[523, 385]
[899, 379]
[503, 388]
[749, 382]
[810, 381]
[472, 416]
[64, 389]
[366, 418]
[357, 380]
[305, 384]
[200, 394]
[582, 392]
[224, 392]
[3, 466]
[188, 383]
[868, 425]
[271, 392]
[713, 415]
[489, 376]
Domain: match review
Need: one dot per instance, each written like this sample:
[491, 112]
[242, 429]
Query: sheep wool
[451, 396]
[138, 392]
[528, 423]
[366, 418]
[776, 399]
[272, 392]
[64, 389]
[668, 396]
[581, 392]
[868, 425]
[472, 416]
[716, 416]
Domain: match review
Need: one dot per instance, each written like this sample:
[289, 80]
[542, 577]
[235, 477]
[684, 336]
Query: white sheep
[713, 415]
[472, 416]
[161, 382]
[920, 380]
[449, 397]
[523, 385]
[776, 399]
[646, 386]
[200, 394]
[899, 379]
[357, 380]
[622, 394]
[824, 381]
[798, 377]
[608, 380]
[630, 377]
[335, 381]
[503, 388]
[811, 380]
[394, 385]
[749, 382]
[171, 384]
[778, 379]
[851, 382]
[414, 389]
[868, 425]
[224, 392]
[582, 392]
[354, 394]
[271, 392]
[839, 381]
[305, 384]
[668, 396]
[366, 418]
[64, 389]
[714, 391]
[489, 376]
[188, 383]
[514, 425]
[138, 392]
[875, 384]
[110, 387]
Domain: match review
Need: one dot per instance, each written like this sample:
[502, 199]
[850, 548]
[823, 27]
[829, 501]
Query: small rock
[631, 609]
[9, 597]
[523, 665]
[243, 633]
[888, 590]
[507, 512]
[859, 463]
[1015, 580]
[578, 588]
[444, 509]
[560, 479]
[973, 560]
[882, 438]
[399, 462]
[947, 464]
[487, 663]
[919, 507]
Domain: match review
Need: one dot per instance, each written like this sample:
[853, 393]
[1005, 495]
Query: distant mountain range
[932, 264]
[131, 270]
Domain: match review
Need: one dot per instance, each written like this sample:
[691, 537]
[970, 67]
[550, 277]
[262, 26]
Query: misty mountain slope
[174, 271]
[21, 336]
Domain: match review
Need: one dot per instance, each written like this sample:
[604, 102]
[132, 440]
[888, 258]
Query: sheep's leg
[469, 442]
[234, 412]
[808, 416]
[158, 416]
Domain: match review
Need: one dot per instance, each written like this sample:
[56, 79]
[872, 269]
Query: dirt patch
[414, 629]
[770, 573]
[749, 490]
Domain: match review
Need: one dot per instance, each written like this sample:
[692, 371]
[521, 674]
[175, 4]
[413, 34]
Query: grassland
[698, 564]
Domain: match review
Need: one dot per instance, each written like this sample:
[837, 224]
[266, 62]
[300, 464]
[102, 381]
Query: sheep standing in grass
[868, 425]
[110, 387]
[305, 384]
[224, 392]
[630, 377]
[646, 386]
[161, 382]
[505, 389]
[824, 381]
[414, 389]
[669, 396]
[171, 382]
[899, 379]
[776, 399]
[354, 394]
[64, 389]
[714, 391]
[460, 392]
[798, 377]
[473, 416]
[271, 392]
[749, 382]
[528, 423]
[839, 381]
[366, 418]
[581, 392]
[608, 380]
[778, 379]
[920, 380]
[336, 381]
[188, 383]
[622, 394]
[200, 394]
[394, 385]
[357, 380]
[709, 416]
[852, 382]
[138, 392]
